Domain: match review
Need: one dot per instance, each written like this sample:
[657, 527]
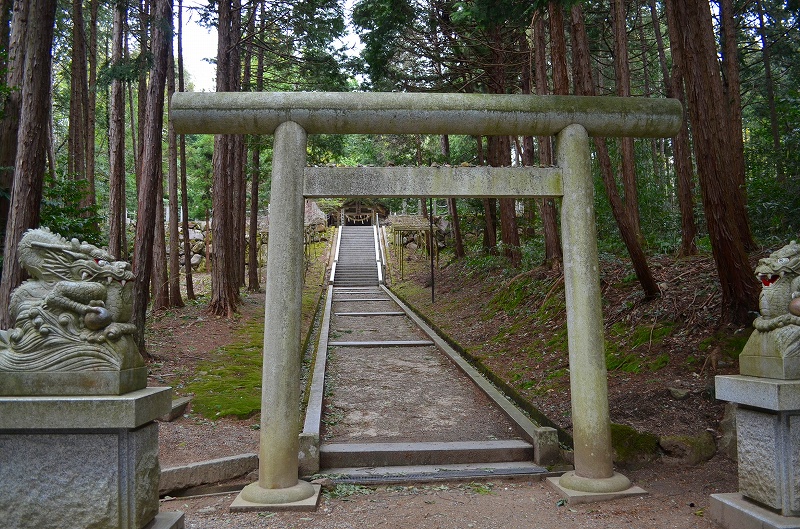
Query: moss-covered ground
[229, 382]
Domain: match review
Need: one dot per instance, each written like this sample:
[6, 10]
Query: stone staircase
[356, 265]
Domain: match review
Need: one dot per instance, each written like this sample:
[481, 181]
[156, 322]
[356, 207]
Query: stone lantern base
[82, 461]
[768, 438]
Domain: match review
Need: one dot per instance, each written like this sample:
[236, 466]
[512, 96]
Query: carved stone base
[58, 383]
[772, 354]
[81, 461]
[734, 511]
[768, 438]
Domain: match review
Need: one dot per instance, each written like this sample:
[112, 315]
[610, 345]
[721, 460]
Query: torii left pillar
[278, 486]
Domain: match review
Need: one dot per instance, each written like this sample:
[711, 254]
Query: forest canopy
[87, 149]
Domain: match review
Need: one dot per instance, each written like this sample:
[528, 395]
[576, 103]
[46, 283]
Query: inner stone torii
[292, 116]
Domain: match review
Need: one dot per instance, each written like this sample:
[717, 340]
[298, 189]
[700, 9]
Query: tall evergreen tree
[9, 124]
[693, 24]
[584, 85]
[29, 167]
[224, 283]
[175, 299]
[151, 166]
[116, 137]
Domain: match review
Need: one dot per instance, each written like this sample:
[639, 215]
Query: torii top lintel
[412, 113]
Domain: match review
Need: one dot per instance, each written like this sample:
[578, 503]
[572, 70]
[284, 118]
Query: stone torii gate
[292, 116]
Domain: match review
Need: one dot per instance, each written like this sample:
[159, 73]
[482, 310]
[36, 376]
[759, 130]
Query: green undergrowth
[229, 384]
[346, 490]
[511, 325]
[730, 344]
[627, 348]
[417, 297]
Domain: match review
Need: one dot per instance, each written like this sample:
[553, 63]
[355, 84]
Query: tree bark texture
[253, 247]
[116, 140]
[151, 165]
[489, 208]
[224, 285]
[499, 149]
[91, 109]
[770, 89]
[238, 153]
[553, 256]
[527, 147]
[6, 6]
[29, 168]
[452, 208]
[255, 179]
[622, 75]
[187, 247]
[684, 169]
[9, 125]
[732, 88]
[160, 281]
[585, 86]
[490, 226]
[144, 48]
[175, 299]
[721, 198]
[79, 98]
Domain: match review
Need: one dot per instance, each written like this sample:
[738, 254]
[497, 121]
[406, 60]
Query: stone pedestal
[82, 461]
[768, 437]
[772, 354]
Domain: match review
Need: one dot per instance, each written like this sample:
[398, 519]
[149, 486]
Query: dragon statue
[72, 316]
[774, 347]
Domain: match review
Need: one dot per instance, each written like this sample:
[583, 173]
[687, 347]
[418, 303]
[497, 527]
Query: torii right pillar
[594, 478]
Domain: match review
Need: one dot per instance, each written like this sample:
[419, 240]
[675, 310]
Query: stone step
[356, 314]
[204, 472]
[379, 475]
[360, 299]
[339, 455]
[178, 407]
[383, 343]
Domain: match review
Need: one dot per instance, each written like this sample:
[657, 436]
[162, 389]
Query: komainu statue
[773, 350]
[71, 333]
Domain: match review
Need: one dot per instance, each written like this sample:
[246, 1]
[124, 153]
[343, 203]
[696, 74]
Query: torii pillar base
[613, 488]
[253, 498]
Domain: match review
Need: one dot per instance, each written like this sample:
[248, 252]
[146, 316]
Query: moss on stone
[631, 447]
[691, 449]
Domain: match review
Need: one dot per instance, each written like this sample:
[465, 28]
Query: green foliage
[478, 263]
[381, 24]
[623, 340]
[659, 362]
[730, 343]
[515, 293]
[345, 490]
[229, 384]
[619, 359]
[772, 208]
[478, 488]
[61, 210]
[647, 334]
[329, 205]
[200, 171]
[126, 70]
[558, 373]
[488, 13]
